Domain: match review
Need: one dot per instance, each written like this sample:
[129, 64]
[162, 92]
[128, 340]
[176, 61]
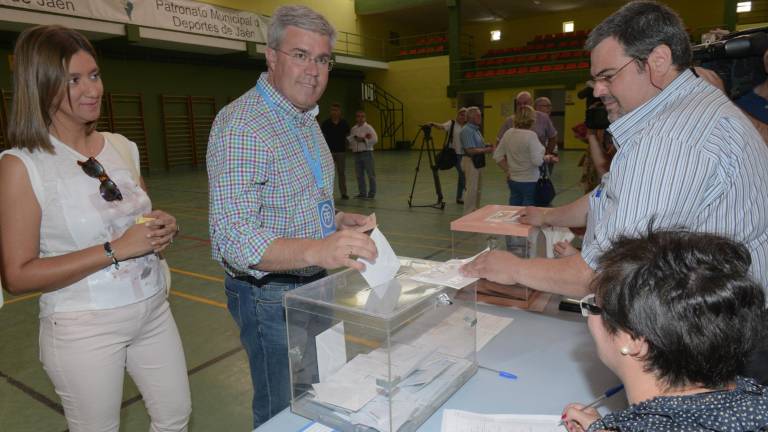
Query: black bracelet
[111, 254]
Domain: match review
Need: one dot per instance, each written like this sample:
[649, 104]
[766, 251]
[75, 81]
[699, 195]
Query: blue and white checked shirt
[690, 158]
[260, 184]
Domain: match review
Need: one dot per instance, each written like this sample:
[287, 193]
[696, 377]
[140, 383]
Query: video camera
[427, 129]
[737, 59]
[596, 116]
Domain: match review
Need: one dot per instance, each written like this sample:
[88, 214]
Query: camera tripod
[428, 146]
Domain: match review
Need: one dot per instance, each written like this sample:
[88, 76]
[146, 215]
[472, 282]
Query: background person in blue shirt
[474, 145]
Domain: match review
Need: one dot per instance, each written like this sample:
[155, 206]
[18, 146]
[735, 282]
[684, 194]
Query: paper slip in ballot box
[382, 358]
[525, 241]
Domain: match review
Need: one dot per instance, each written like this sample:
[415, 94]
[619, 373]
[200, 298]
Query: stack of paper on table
[465, 421]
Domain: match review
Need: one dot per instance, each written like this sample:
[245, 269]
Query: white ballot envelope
[384, 268]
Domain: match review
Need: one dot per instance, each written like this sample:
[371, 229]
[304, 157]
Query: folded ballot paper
[447, 273]
[384, 268]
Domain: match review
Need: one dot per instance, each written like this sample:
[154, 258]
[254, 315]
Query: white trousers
[85, 354]
[473, 178]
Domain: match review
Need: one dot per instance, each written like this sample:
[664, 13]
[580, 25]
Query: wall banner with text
[179, 15]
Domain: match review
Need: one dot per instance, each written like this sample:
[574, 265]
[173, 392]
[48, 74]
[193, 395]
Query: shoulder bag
[478, 160]
[545, 190]
[446, 159]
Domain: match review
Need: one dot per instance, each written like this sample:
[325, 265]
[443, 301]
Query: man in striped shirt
[272, 221]
[687, 157]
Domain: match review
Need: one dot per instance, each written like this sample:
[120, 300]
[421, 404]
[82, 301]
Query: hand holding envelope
[384, 267]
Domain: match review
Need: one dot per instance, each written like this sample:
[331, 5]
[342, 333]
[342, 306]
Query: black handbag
[478, 160]
[446, 159]
[545, 190]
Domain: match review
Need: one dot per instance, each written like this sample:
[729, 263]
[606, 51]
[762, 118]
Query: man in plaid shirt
[273, 225]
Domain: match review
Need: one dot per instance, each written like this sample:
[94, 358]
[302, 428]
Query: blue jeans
[364, 165]
[461, 184]
[521, 193]
[259, 313]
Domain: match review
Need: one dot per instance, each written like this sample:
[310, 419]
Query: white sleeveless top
[75, 217]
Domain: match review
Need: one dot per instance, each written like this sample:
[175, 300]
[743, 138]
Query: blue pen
[503, 374]
[608, 393]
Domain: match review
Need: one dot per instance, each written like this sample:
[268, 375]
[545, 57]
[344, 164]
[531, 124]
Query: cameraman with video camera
[755, 103]
[737, 64]
[597, 160]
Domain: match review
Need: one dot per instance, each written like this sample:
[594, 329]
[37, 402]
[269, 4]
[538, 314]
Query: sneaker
[360, 196]
[371, 196]
[345, 197]
[459, 201]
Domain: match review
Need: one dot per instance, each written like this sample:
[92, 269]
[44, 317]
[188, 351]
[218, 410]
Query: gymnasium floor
[218, 368]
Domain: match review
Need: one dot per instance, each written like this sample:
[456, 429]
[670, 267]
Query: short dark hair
[335, 105]
[690, 297]
[641, 26]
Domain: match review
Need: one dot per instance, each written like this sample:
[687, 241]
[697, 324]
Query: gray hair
[542, 99]
[473, 109]
[641, 26]
[523, 93]
[301, 17]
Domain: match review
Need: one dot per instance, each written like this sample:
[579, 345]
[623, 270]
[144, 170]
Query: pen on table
[608, 393]
[503, 374]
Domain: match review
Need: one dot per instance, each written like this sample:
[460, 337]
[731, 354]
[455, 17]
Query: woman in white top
[71, 227]
[520, 154]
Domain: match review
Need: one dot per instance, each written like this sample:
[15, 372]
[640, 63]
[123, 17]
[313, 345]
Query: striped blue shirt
[260, 183]
[689, 158]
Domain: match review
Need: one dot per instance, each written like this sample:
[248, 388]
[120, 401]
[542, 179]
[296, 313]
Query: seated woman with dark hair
[674, 316]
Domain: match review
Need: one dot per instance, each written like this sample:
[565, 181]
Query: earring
[625, 351]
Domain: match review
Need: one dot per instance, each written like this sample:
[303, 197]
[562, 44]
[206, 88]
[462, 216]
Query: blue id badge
[327, 217]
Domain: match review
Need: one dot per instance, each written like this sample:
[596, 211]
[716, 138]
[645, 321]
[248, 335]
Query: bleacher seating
[433, 45]
[545, 53]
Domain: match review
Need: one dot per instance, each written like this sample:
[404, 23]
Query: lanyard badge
[325, 212]
[327, 217]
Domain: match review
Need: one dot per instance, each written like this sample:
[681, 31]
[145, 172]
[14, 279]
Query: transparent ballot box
[378, 359]
[500, 224]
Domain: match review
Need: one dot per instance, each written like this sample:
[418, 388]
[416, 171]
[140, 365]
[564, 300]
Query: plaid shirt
[260, 184]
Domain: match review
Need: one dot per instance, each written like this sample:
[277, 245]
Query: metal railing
[391, 114]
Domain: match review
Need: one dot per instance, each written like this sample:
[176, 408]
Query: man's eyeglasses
[303, 59]
[589, 307]
[607, 78]
[108, 189]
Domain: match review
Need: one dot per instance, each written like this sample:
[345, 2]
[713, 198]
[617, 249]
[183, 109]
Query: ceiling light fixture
[742, 7]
